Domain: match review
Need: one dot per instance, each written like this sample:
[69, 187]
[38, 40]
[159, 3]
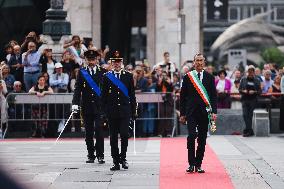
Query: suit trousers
[248, 107]
[89, 121]
[118, 125]
[197, 124]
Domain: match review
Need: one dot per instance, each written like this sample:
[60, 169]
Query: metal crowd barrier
[26, 102]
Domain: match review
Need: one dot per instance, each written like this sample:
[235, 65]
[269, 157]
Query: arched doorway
[124, 27]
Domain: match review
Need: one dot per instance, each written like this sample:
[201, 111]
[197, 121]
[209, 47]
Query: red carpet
[173, 163]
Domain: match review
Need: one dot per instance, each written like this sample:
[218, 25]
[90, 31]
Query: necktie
[93, 72]
[198, 75]
[117, 75]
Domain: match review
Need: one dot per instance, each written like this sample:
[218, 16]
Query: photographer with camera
[31, 37]
[165, 86]
[249, 90]
[141, 85]
[30, 61]
[77, 49]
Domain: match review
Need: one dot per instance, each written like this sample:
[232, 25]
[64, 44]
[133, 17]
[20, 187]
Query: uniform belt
[32, 72]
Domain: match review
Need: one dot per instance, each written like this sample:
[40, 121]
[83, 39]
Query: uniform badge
[84, 85]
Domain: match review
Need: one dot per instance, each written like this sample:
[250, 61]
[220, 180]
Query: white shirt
[94, 68]
[115, 73]
[50, 68]
[201, 75]
[221, 85]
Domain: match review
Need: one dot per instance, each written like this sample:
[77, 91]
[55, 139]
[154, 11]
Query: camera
[164, 77]
[30, 38]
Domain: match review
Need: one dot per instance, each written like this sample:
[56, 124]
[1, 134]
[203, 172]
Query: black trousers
[118, 125]
[89, 120]
[197, 125]
[248, 107]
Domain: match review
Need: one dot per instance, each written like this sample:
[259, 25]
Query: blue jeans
[149, 124]
[30, 80]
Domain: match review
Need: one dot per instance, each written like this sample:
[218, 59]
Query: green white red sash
[202, 92]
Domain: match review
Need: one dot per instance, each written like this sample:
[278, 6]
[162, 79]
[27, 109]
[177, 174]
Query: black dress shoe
[124, 164]
[190, 169]
[199, 170]
[101, 160]
[115, 167]
[91, 160]
[248, 134]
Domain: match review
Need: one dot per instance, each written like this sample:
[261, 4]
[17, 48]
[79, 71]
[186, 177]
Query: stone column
[80, 15]
[166, 29]
[193, 41]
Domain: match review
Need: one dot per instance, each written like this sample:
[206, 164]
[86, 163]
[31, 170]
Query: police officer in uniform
[119, 101]
[88, 91]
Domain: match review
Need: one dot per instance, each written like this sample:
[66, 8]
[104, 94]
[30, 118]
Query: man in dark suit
[120, 106]
[15, 64]
[193, 110]
[88, 88]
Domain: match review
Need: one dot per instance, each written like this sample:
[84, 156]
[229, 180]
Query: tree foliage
[273, 55]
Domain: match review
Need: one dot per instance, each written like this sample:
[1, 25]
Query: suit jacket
[90, 101]
[190, 100]
[17, 72]
[115, 103]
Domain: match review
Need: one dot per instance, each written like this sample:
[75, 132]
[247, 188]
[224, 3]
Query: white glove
[75, 108]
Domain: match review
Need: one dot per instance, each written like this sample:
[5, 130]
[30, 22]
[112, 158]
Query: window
[279, 13]
[256, 10]
[234, 14]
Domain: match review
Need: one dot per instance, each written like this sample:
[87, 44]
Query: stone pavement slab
[38, 166]
[252, 163]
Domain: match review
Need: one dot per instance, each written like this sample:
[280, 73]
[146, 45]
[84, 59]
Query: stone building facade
[161, 26]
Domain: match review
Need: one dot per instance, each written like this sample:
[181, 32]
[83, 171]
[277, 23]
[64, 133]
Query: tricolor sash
[118, 83]
[199, 87]
[91, 82]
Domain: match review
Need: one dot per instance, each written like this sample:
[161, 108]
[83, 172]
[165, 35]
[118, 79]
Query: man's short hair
[166, 53]
[32, 42]
[251, 67]
[17, 82]
[267, 72]
[198, 54]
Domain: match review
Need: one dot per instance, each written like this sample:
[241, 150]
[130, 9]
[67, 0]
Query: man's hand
[245, 91]
[39, 94]
[251, 91]
[75, 108]
[214, 117]
[182, 119]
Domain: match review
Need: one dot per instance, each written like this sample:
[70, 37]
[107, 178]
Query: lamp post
[268, 10]
[181, 31]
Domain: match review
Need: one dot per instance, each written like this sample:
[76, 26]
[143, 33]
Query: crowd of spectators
[26, 69]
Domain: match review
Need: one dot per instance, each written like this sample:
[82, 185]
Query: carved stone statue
[253, 34]
[56, 4]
